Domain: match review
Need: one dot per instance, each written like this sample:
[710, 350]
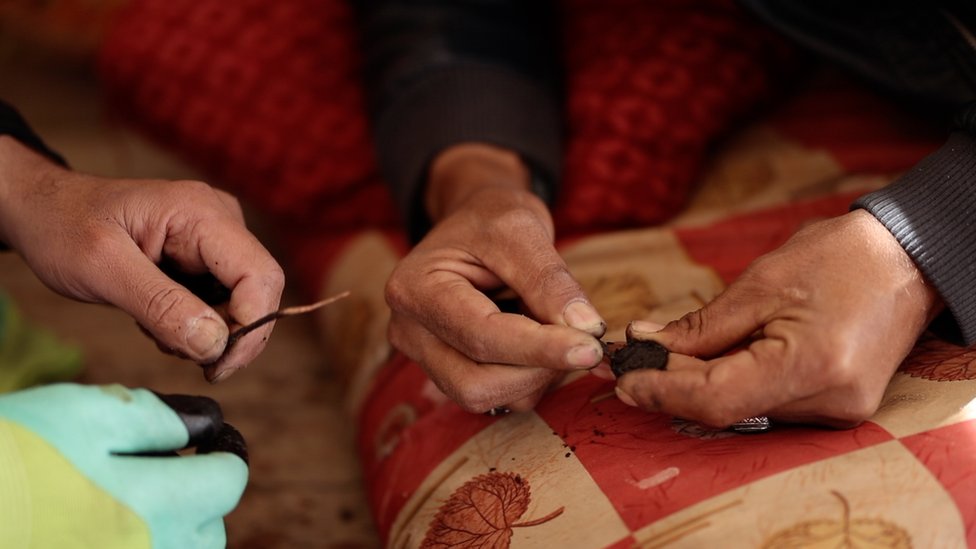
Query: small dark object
[204, 422]
[201, 415]
[637, 355]
[228, 439]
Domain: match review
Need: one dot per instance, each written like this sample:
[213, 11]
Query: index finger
[717, 392]
[466, 319]
[239, 261]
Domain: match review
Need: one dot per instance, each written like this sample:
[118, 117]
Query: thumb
[710, 331]
[175, 317]
[537, 273]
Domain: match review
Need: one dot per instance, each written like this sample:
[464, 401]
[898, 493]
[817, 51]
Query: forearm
[24, 157]
[440, 74]
[24, 174]
[462, 171]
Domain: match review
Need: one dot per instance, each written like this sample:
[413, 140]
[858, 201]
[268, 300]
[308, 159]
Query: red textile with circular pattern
[266, 99]
[651, 85]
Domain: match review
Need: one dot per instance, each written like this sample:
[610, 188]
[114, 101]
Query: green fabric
[181, 501]
[30, 356]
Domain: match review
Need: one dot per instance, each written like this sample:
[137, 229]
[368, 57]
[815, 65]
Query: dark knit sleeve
[924, 54]
[439, 73]
[14, 125]
[931, 210]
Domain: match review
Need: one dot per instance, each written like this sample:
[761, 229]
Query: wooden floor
[305, 486]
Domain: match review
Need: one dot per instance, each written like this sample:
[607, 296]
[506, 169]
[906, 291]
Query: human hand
[100, 240]
[491, 234]
[828, 318]
[70, 480]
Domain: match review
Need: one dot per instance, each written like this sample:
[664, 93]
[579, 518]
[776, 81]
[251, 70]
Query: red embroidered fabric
[266, 99]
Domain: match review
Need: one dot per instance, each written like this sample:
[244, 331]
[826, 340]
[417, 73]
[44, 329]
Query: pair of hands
[820, 324]
[100, 240]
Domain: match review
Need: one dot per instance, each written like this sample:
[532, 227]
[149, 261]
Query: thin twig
[287, 311]
[539, 521]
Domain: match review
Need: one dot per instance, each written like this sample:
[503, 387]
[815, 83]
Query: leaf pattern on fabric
[853, 534]
[937, 360]
[482, 512]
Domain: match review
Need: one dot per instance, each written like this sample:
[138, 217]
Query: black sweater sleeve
[439, 73]
[931, 210]
[14, 125]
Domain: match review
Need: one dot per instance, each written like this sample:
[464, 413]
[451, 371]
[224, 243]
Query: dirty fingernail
[205, 337]
[582, 316]
[624, 397]
[644, 327]
[584, 356]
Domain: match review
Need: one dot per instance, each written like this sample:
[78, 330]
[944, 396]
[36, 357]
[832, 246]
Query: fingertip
[603, 371]
[215, 374]
[580, 314]
[219, 469]
[625, 397]
[239, 355]
[585, 355]
[256, 285]
[643, 329]
[205, 339]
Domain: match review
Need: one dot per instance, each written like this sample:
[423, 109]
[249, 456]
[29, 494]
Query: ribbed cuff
[465, 104]
[931, 210]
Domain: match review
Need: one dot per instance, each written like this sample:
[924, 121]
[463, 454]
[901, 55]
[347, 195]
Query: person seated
[465, 100]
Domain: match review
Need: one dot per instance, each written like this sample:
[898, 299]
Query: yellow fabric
[46, 502]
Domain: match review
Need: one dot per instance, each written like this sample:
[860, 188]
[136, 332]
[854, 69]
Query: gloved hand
[69, 476]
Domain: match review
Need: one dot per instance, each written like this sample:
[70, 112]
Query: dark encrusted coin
[638, 355]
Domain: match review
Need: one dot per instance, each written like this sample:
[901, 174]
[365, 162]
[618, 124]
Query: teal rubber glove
[93, 466]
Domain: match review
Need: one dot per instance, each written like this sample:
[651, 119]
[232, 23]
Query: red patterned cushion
[266, 99]
[584, 470]
[651, 86]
